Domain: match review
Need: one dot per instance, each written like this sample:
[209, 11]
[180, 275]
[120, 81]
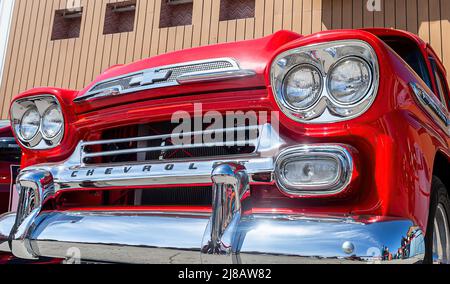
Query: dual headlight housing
[327, 82]
[38, 122]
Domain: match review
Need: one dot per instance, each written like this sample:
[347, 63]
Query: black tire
[439, 195]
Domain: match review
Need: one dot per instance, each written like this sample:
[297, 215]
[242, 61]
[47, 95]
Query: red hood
[252, 54]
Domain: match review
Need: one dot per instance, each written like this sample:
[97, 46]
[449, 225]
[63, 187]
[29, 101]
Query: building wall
[33, 59]
[6, 8]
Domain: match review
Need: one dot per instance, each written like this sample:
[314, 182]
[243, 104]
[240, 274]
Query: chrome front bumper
[225, 236]
[176, 238]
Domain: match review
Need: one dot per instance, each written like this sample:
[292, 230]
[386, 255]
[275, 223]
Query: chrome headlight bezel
[339, 154]
[42, 103]
[324, 57]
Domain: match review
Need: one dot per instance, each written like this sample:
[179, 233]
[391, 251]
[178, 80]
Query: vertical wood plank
[347, 14]
[268, 17]
[223, 26]
[101, 44]
[389, 18]
[123, 45]
[368, 17]
[162, 40]
[45, 39]
[171, 34]
[141, 25]
[35, 51]
[357, 11]
[317, 16]
[435, 26]
[307, 17]
[278, 15]
[151, 31]
[250, 28]
[96, 32]
[23, 46]
[206, 22]
[337, 14]
[240, 29]
[411, 16]
[231, 31]
[153, 43]
[187, 43]
[85, 37]
[297, 16]
[424, 24]
[197, 22]
[259, 18]
[400, 14]
[214, 25]
[378, 20]
[287, 14]
[179, 37]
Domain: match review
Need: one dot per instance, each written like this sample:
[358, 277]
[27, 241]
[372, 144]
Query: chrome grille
[155, 143]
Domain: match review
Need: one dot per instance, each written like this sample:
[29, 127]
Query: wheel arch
[441, 168]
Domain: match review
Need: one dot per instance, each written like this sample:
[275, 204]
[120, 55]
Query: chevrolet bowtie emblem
[150, 77]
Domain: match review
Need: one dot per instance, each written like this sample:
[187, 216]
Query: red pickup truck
[327, 148]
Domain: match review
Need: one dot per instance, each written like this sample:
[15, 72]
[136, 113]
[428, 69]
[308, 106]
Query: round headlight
[350, 80]
[302, 86]
[29, 124]
[52, 122]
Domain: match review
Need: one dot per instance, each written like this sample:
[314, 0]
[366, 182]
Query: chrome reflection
[35, 188]
[158, 237]
[230, 187]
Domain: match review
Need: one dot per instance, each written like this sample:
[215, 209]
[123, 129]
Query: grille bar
[245, 140]
[170, 135]
[168, 148]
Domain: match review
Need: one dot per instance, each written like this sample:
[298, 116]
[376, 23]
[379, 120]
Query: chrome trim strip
[199, 77]
[432, 106]
[139, 237]
[220, 74]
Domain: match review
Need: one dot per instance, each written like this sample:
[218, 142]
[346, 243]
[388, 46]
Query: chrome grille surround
[74, 174]
[167, 76]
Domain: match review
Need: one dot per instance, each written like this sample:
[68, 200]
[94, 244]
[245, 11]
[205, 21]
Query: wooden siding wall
[34, 60]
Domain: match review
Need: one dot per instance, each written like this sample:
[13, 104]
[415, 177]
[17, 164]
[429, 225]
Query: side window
[441, 84]
[411, 54]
